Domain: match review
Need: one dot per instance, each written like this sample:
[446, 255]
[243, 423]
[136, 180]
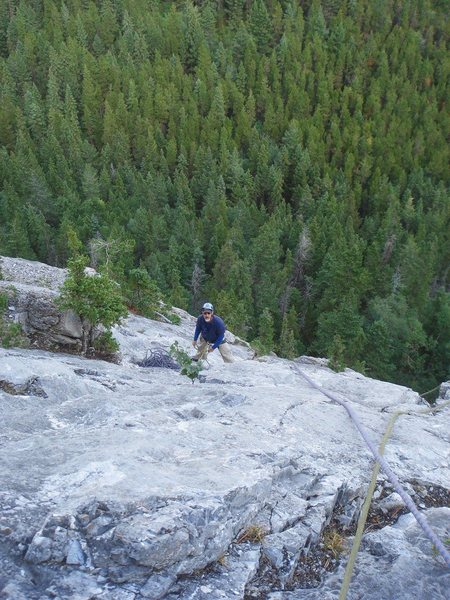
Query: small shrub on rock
[188, 368]
[253, 534]
[334, 541]
[144, 296]
[106, 344]
[96, 299]
[11, 334]
[337, 354]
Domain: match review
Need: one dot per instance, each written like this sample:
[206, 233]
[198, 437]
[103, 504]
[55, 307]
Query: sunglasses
[207, 312]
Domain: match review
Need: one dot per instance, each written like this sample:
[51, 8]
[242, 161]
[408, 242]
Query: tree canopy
[287, 160]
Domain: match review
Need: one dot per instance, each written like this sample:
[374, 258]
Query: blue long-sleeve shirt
[213, 332]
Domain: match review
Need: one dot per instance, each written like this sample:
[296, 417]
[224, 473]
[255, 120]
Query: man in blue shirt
[211, 330]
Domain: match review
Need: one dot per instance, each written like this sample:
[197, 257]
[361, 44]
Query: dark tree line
[286, 160]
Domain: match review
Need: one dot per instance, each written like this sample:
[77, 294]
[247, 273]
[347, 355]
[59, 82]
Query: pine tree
[39, 234]
[344, 321]
[404, 338]
[265, 256]
[264, 343]
[17, 241]
[316, 25]
[193, 34]
[342, 270]
[260, 25]
[288, 346]
[95, 299]
[197, 279]
[91, 116]
[214, 222]
[142, 292]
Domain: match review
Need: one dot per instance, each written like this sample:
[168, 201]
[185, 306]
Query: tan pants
[224, 349]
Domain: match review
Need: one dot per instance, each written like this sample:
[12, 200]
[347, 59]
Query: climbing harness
[409, 502]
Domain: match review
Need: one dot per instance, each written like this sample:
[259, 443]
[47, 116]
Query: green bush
[144, 296]
[337, 354]
[260, 348]
[142, 293]
[11, 334]
[106, 344]
[188, 368]
[97, 300]
[173, 318]
[3, 302]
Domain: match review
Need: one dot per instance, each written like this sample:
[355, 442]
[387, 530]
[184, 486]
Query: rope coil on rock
[158, 357]
[409, 502]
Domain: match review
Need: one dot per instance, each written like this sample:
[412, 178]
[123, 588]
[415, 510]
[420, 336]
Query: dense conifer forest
[287, 161]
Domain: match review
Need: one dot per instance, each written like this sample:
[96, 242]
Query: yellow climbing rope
[367, 502]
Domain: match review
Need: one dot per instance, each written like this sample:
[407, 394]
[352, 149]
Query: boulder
[42, 322]
[32, 289]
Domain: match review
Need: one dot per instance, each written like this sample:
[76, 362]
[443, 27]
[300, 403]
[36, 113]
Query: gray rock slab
[228, 579]
[124, 474]
[283, 550]
[391, 502]
[394, 563]
[28, 272]
[157, 587]
[287, 511]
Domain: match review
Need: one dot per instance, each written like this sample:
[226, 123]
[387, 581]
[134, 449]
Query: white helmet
[208, 306]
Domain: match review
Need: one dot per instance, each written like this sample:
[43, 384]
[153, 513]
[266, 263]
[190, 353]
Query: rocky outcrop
[27, 272]
[119, 482]
[393, 563]
[32, 289]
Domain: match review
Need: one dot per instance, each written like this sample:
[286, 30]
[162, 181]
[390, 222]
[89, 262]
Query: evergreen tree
[345, 322]
[403, 340]
[197, 279]
[265, 256]
[17, 241]
[260, 25]
[288, 344]
[264, 343]
[94, 298]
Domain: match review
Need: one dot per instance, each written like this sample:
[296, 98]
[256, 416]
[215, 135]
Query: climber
[211, 330]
